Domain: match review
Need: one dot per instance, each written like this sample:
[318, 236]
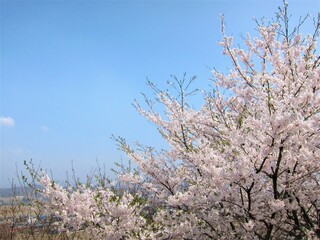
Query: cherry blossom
[244, 166]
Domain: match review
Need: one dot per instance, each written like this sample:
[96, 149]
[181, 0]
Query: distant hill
[6, 192]
[17, 191]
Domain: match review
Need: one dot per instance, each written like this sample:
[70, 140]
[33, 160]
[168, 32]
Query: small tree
[244, 166]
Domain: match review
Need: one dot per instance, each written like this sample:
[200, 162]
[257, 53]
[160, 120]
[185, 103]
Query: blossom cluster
[100, 212]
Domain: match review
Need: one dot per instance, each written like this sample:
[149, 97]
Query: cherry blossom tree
[100, 211]
[244, 166]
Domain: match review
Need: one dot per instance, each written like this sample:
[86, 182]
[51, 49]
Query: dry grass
[29, 233]
[18, 210]
[14, 225]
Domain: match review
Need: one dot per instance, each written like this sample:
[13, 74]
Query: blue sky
[71, 69]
